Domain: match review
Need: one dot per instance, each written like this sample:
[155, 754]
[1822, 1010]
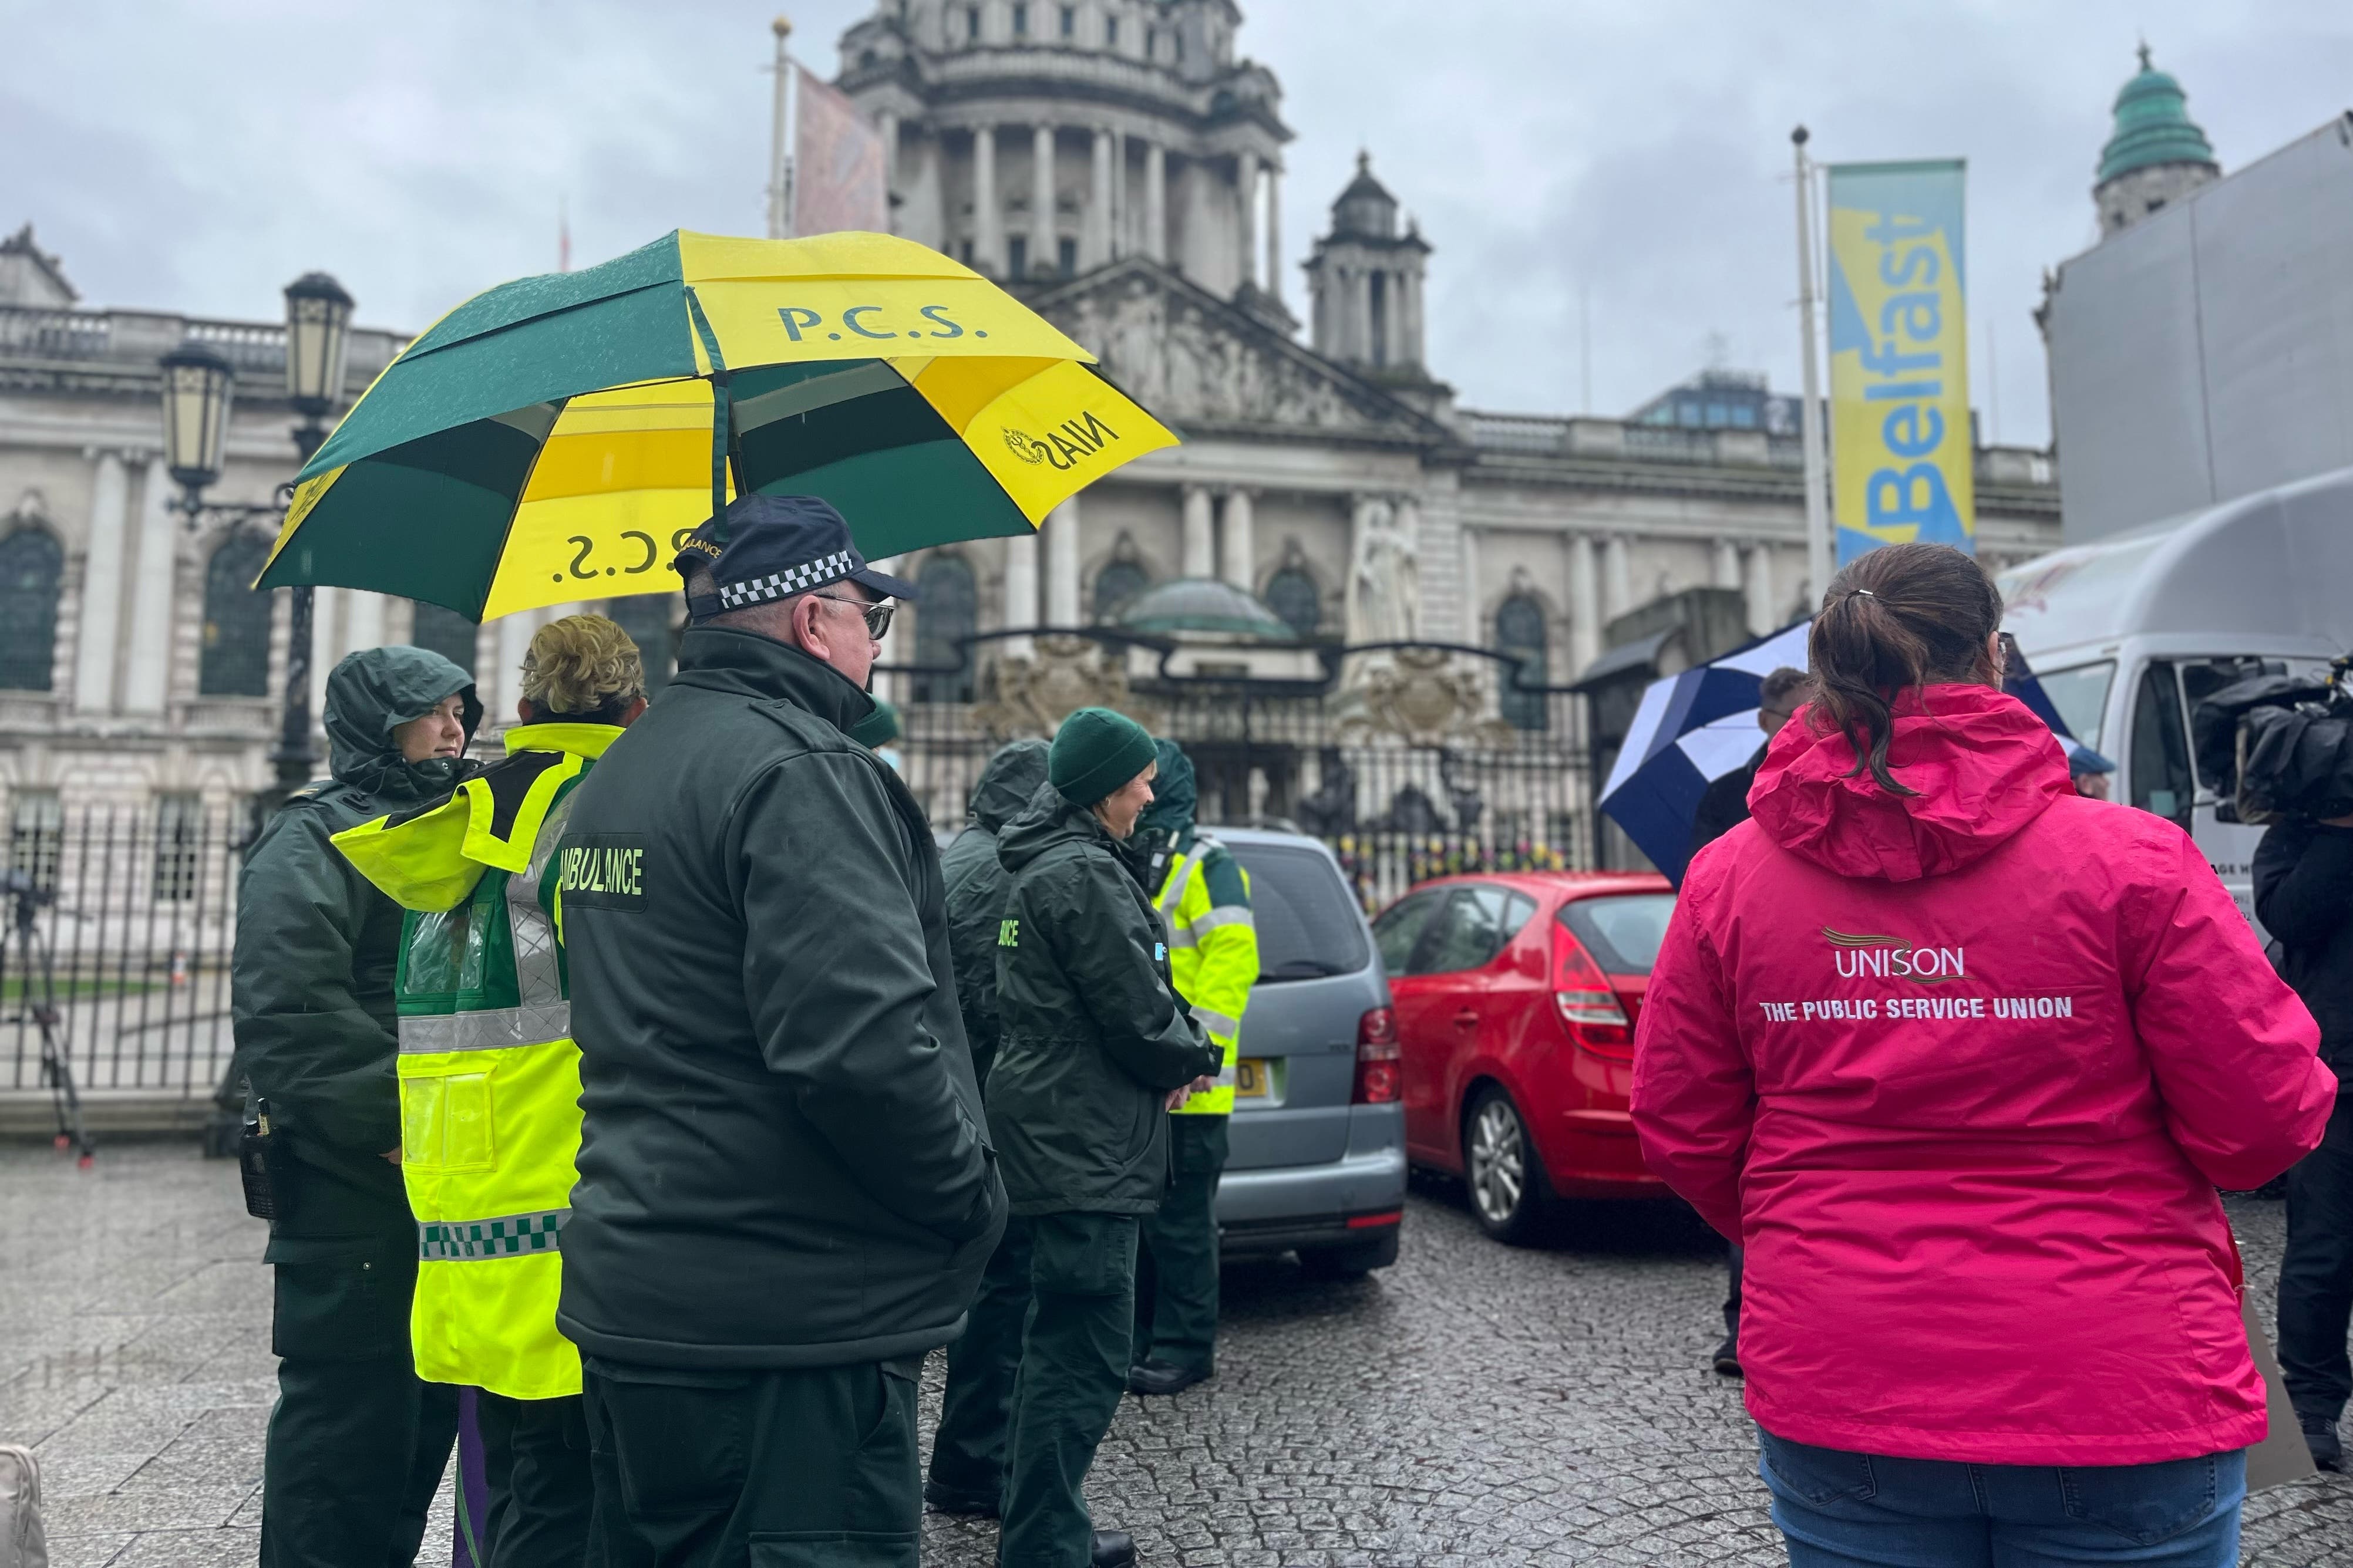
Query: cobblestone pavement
[1474, 1406]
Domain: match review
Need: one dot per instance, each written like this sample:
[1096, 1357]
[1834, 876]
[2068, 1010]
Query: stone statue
[1383, 577]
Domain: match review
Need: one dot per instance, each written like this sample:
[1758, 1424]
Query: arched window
[649, 618]
[446, 632]
[31, 566]
[1520, 632]
[1116, 583]
[235, 661]
[946, 613]
[1291, 594]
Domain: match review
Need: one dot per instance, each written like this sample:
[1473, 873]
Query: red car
[1517, 995]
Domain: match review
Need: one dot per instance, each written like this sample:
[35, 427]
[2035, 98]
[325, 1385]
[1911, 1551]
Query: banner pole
[1820, 556]
[780, 195]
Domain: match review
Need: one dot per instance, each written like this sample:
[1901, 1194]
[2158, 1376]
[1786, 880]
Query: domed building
[2156, 156]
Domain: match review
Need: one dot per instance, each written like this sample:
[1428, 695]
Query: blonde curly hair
[581, 665]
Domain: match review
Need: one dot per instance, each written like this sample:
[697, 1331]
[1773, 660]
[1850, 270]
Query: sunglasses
[877, 616]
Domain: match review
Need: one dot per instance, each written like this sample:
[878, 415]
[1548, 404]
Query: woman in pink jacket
[1960, 1057]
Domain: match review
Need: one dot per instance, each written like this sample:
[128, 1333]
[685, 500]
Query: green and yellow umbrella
[553, 438]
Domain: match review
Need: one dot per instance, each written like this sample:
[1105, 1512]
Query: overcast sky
[197, 154]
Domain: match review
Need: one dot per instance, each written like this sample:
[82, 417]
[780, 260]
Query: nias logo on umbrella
[1064, 446]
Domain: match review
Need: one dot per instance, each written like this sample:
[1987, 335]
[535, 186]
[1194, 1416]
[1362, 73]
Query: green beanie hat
[1095, 752]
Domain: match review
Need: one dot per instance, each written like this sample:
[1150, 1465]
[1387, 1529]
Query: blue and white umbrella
[1691, 730]
[1694, 728]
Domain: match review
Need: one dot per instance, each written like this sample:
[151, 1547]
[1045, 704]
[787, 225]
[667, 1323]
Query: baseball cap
[771, 547]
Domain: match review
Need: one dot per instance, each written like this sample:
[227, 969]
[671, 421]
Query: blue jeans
[1862, 1511]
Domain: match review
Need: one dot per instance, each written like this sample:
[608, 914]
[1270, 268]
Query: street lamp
[198, 387]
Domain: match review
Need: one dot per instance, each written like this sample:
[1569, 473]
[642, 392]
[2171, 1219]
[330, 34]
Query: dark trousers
[2315, 1283]
[1732, 1263]
[357, 1442]
[1178, 1323]
[810, 1466]
[968, 1448]
[1073, 1371]
[543, 1495]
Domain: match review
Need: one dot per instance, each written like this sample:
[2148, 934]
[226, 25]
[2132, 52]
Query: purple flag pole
[473, 1488]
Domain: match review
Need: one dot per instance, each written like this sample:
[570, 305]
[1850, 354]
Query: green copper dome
[1203, 605]
[2153, 126]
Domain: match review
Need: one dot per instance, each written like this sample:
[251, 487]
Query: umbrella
[1694, 728]
[553, 438]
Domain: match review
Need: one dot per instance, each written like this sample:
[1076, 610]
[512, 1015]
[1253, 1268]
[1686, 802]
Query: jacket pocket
[1815, 1476]
[2143, 1504]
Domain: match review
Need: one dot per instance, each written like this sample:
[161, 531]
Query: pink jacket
[1963, 1070]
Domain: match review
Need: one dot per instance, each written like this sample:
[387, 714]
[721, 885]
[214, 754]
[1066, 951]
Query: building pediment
[1203, 362]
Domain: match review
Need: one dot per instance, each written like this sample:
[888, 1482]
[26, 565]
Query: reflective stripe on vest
[509, 1235]
[487, 1029]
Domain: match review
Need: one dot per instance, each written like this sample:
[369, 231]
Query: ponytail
[1901, 616]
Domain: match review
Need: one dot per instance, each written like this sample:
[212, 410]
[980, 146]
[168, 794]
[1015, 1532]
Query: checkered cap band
[794, 580]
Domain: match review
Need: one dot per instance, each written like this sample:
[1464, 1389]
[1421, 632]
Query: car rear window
[1623, 931]
[1308, 927]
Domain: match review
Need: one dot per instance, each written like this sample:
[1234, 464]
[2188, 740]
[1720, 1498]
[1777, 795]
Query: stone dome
[1202, 604]
[2153, 126]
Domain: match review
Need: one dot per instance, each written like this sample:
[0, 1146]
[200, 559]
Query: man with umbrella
[786, 1193]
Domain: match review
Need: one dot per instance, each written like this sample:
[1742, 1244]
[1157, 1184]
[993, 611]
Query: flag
[841, 177]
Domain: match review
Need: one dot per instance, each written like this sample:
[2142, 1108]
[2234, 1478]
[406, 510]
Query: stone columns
[363, 623]
[891, 686]
[1764, 614]
[1238, 551]
[1020, 590]
[987, 217]
[1098, 230]
[1041, 199]
[1727, 563]
[1156, 201]
[505, 678]
[1062, 564]
[101, 587]
[1246, 183]
[147, 681]
[1584, 603]
[1616, 578]
[1360, 316]
[1200, 558]
[1274, 231]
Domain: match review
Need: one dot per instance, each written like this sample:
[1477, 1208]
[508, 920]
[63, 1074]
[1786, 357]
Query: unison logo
[1891, 958]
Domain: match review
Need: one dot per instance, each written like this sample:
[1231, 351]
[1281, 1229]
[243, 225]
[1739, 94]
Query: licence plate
[1250, 1078]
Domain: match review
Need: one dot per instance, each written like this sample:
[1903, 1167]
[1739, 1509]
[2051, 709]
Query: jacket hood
[1984, 766]
[378, 688]
[1008, 783]
[1048, 820]
[1173, 795]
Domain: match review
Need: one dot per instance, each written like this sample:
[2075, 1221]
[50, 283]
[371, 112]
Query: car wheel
[1351, 1262]
[1509, 1194]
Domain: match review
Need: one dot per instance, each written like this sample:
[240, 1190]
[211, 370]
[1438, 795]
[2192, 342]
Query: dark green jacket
[310, 979]
[1092, 1037]
[783, 1158]
[976, 885]
[1166, 829]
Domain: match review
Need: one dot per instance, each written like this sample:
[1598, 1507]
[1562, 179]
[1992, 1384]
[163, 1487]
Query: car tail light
[1380, 1075]
[1589, 1010]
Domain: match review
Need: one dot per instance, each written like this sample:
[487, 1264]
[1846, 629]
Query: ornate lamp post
[199, 384]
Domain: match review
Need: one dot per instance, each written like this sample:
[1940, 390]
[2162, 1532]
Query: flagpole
[780, 165]
[1820, 554]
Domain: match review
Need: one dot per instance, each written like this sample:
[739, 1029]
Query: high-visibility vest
[489, 1078]
[1204, 906]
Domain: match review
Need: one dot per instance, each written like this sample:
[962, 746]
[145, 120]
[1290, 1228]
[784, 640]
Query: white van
[2127, 634]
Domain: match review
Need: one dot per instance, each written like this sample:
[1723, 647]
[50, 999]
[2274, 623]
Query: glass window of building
[235, 658]
[650, 619]
[1111, 32]
[179, 844]
[1020, 20]
[31, 567]
[946, 616]
[1017, 256]
[1291, 594]
[972, 22]
[446, 632]
[36, 836]
[1066, 257]
[1520, 634]
[1116, 583]
[1070, 21]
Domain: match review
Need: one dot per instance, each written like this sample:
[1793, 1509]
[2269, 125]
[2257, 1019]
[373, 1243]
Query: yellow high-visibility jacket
[490, 1079]
[1205, 904]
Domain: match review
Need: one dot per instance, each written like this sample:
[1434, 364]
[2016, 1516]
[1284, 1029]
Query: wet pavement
[1476, 1404]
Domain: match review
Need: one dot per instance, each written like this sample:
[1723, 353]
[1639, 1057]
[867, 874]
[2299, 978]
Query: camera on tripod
[2279, 745]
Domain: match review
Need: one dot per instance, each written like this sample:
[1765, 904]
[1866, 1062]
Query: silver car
[1318, 1142]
